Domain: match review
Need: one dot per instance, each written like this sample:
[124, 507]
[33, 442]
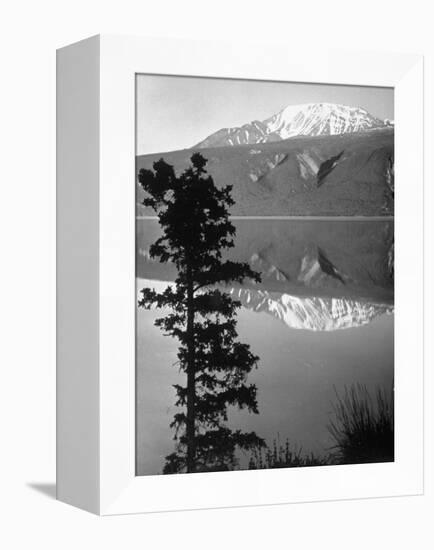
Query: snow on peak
[313, 119]
[315, 313]
[309, 119]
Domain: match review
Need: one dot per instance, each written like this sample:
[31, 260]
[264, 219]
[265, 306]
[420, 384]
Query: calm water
[322, 318]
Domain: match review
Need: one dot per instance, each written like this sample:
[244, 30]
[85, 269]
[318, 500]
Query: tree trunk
[191, 375]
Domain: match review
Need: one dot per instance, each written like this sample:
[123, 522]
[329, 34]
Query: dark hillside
[309, 176]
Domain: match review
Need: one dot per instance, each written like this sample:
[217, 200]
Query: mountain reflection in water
[318, 277]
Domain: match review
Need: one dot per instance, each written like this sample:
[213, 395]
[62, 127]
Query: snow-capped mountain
[306, 313]
[316, 314]
[310, 119]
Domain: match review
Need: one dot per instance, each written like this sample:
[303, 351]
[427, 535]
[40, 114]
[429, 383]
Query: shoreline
[299, 218]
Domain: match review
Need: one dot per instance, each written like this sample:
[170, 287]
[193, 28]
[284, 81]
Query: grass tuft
[283, 456]
[363, 426]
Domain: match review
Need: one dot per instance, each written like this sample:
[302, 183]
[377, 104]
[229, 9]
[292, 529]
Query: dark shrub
[362, 426]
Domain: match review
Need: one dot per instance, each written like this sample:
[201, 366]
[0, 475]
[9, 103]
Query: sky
[174, 112]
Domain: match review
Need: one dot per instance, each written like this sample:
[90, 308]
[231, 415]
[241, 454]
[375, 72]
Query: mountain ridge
[311, 313]
[317, 314]
[307, 119]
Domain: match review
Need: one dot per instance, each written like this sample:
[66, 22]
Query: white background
[30, 32]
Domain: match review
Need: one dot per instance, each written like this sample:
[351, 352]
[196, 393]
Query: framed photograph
[240, 288]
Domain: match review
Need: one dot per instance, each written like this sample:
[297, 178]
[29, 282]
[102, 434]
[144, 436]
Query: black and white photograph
[217, 296]
[264, 275]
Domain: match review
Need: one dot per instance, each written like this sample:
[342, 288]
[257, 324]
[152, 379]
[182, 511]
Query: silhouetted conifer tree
[193, 214]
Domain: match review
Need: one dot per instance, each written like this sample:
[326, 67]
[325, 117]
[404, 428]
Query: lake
[321, 319]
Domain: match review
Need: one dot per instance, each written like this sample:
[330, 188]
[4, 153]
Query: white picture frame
[96, 297]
